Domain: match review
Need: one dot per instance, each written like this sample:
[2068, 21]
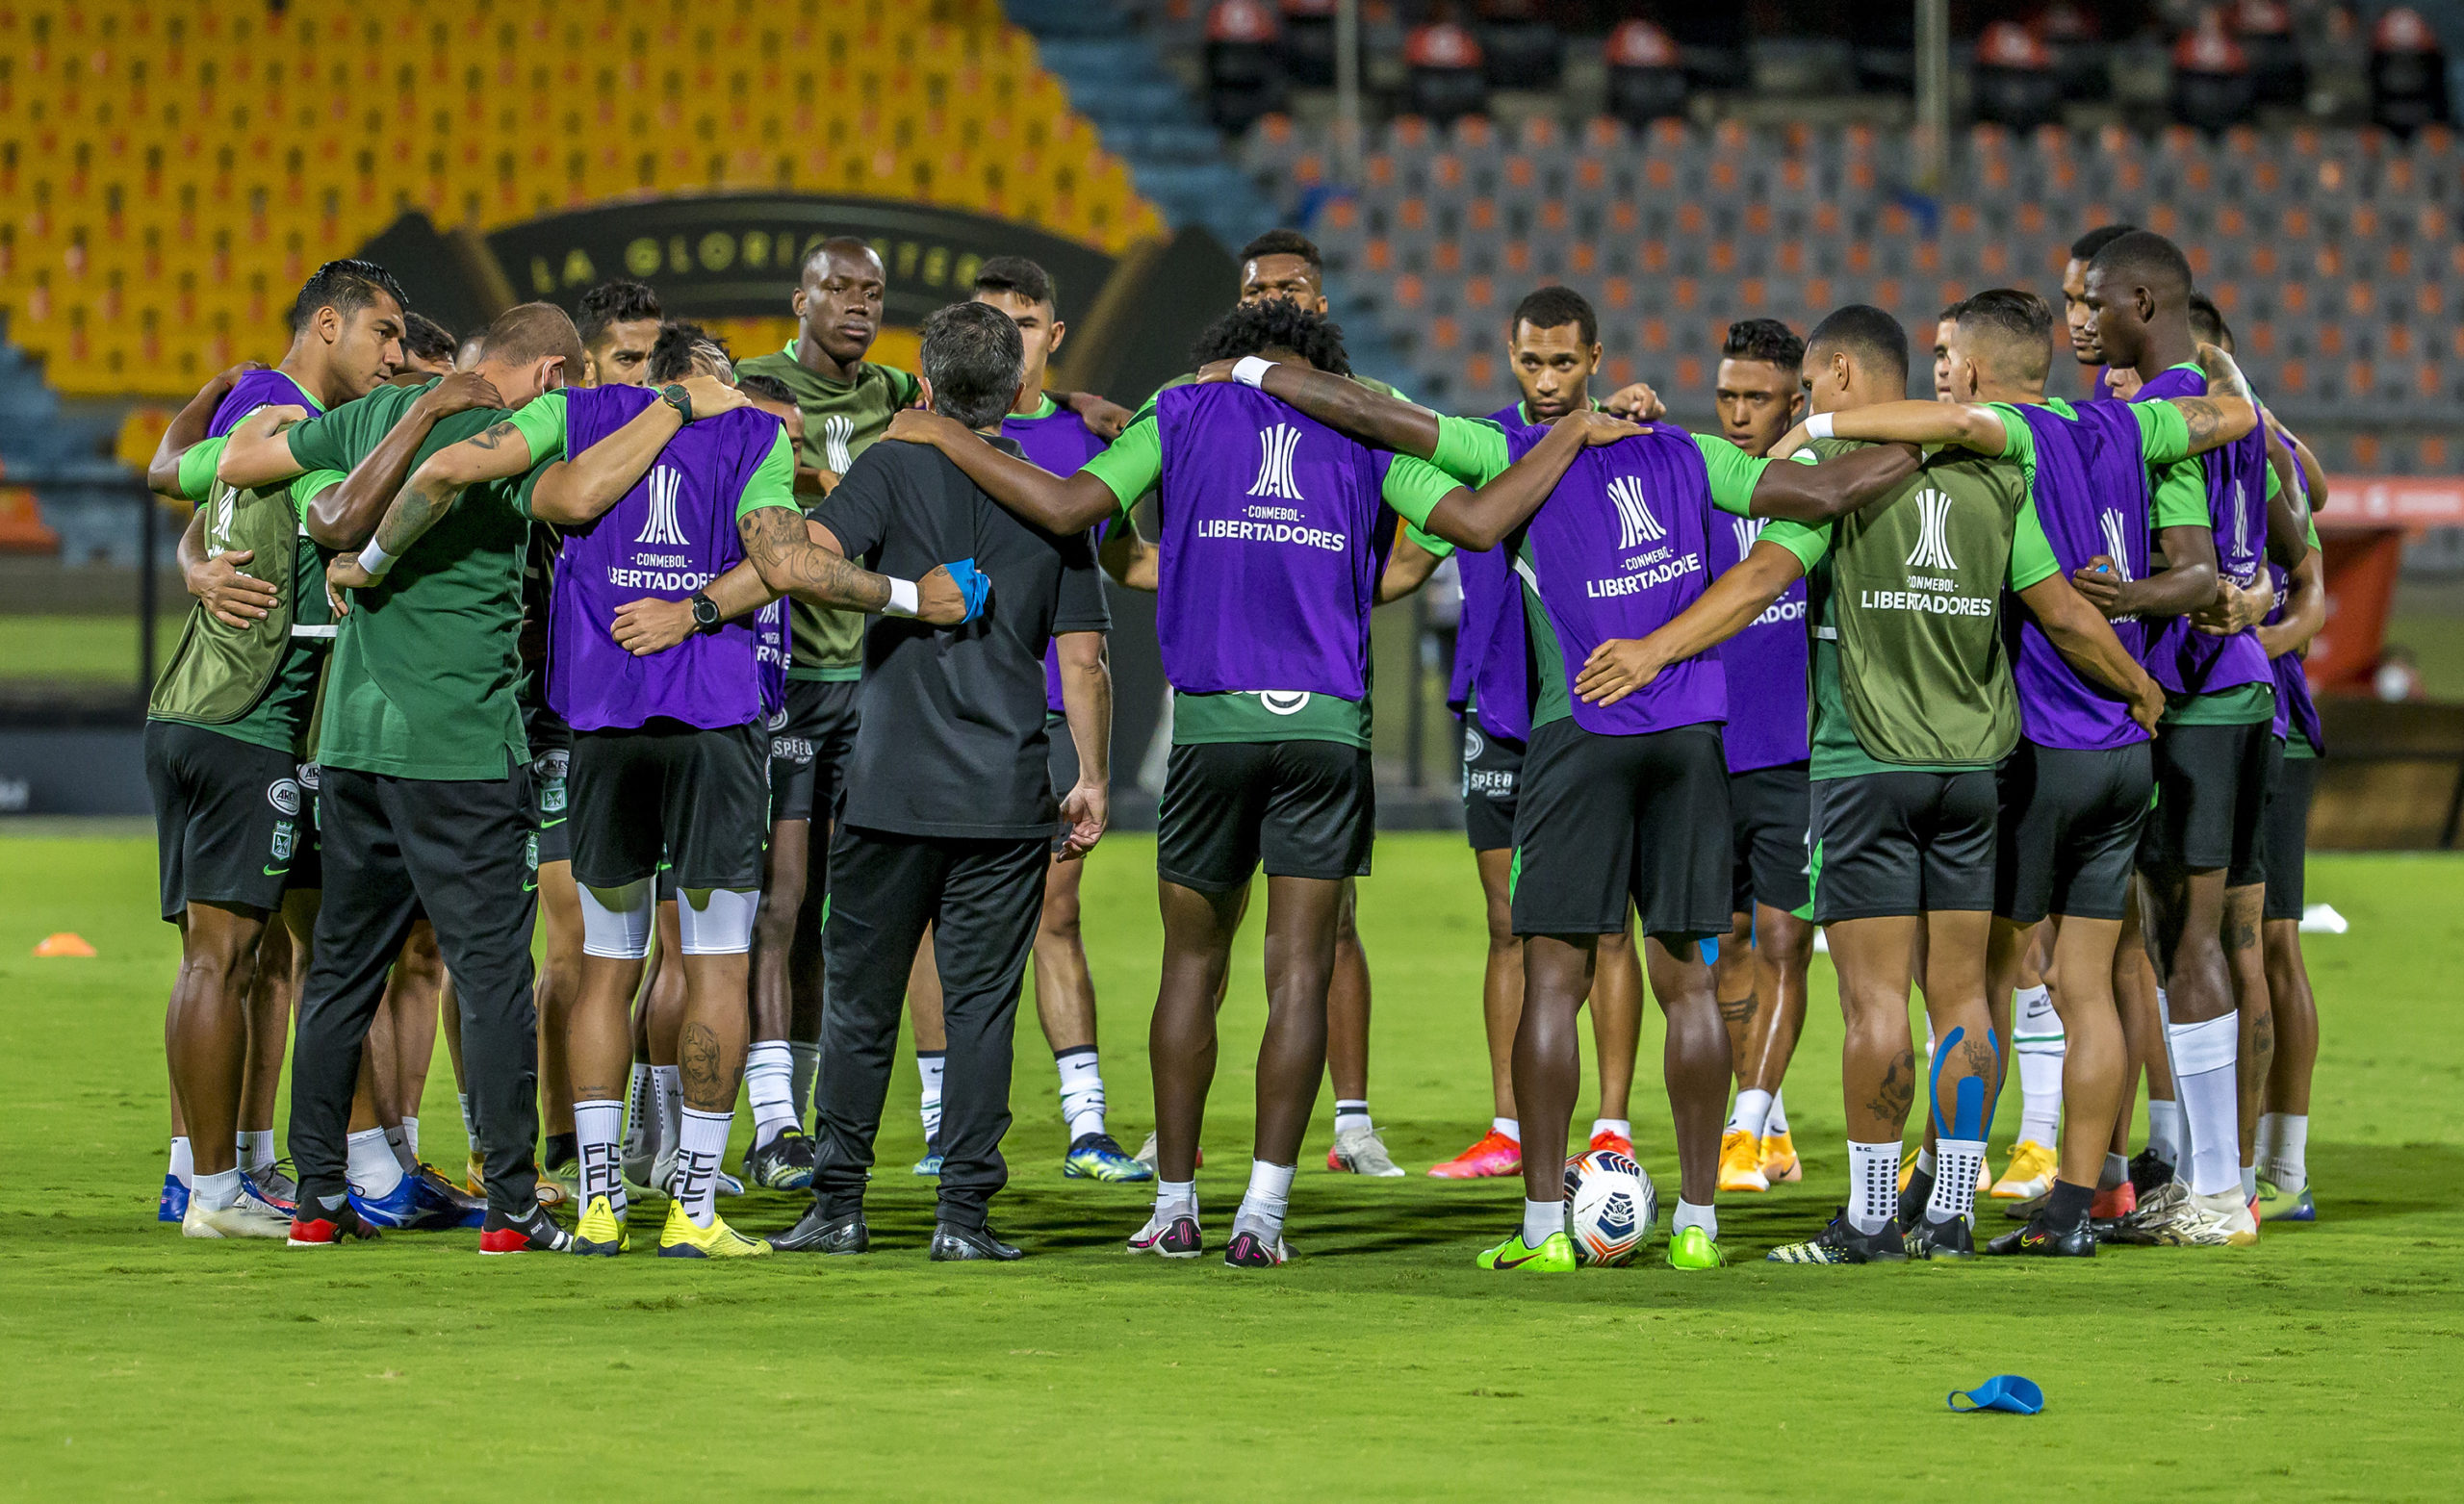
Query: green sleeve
[196, 468]
[909, 389]
[1414, 487]
[1809, 544]
[2276, 482]
[1471, 449]
[2314, 532]
[307, 487]
[774, 479]
[2164, 433]
[2181, 493]
[1735, 474]
[321, 442]
[2019, 441]
[541, 422]
[2032, 557]
[1131, 464]
[1437, 545]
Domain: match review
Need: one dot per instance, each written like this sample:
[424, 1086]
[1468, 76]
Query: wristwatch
[705, 611]
[677, 398]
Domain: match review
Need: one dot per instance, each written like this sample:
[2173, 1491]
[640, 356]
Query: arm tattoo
[706, 1088]
[413, 513]
[2202, 416]
[776, 541]
[496, 434]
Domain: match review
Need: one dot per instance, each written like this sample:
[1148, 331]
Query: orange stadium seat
[264, 141]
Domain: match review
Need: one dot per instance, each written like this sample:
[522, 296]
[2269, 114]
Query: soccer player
[2075, 790]
[1552, 346]
[424, 800]
[2202, 855]
[427, 349]
[227, 726]
[619, 322]
[1912, 710]
[1266, 588]
[949, 810]
[1760, 973]
[2084, 345]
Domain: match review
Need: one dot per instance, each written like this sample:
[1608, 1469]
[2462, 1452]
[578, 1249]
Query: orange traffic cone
[66, 942]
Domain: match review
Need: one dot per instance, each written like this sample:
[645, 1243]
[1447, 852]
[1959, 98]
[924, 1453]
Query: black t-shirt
[950, 739]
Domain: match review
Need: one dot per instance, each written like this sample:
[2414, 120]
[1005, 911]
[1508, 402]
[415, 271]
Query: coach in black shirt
[949, 812]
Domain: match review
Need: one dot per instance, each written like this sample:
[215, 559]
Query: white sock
[667, 1094]
[1175, 1199]
[641, 1094]
[2037, 1039]
[2164, 1129]
[182, 1164]
[469, 1129]
[400, 1145]
[1873, 1184]
[2287, 1161]
[1269, 1196]
[928, 1069]
[2203, 1060]
[1541, 1219]
[411, 1138]
[1752, 1114]
[2250, 1181]
[808, 1064]
[1688, 1214]
[2117, 1173]
[596, 1124]
[1082, 1090]
[216, 1190]
[1778, 1122]
[1925, 1161]
[769, 1077]
[255, 1147]
[702, 1142]
[370, 1163]
[1509, 1127]
[1622, 1127]
[1955, 1182]
[1351, 1117]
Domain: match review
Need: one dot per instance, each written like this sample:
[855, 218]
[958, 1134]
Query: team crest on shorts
[284, 839]
[778, 718]
[1284, 702]
[308, 774]
[283, 794]
[530, 851]
[1473, 743]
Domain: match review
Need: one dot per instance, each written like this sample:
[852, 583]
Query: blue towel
[973, 584]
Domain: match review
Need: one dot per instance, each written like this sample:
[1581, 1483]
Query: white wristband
[1819, 426]
[902, 598]
[375, 560]
[1250, 370]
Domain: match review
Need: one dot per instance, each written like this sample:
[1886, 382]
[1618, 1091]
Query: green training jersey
[424, 667]
[1911, 672]
[843, 419]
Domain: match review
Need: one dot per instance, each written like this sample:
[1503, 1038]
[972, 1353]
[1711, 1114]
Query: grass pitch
[1379, 1365]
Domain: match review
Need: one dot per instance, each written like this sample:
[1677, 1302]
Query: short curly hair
[1274, 323]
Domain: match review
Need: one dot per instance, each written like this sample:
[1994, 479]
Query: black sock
[2067, 1207]
[562, 1149]
[1919, 1191]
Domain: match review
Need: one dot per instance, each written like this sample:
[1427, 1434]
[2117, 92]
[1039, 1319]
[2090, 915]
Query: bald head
[2001, 346]
[530, 348]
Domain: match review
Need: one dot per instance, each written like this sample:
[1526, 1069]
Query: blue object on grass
[2003, 1392]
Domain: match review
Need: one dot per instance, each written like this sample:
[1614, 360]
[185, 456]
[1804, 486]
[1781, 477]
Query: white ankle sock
[2037, 1040]
[667, 1094]
[1873, 1184]
[2116, 1173]
[1351, 1117]
[1955, 1179]
[1752, 1114]
[807, 1058]
[1175, 1199]
[411, 1139]
[1540, 1219]
[2203, 1061]
[769, 1073]
[641, 1112]
[182, 1164]
[399, 1144]
[2164, 1129]
[1688, 1214]
[928, 1070]
[256, 1148]
[1622, 1127]
[596, 1124]
[2286, 1163]
[1269, 1196]
[700, 1143]
[370, 1165]
[1509, 1127]
[216, 1190]
[1082, 1090]
[2250, 1181]
[1778, 1122]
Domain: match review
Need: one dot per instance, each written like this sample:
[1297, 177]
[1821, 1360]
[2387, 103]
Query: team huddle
[772, 695]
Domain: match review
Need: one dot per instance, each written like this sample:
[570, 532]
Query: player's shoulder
[259, 389]
[778, 363]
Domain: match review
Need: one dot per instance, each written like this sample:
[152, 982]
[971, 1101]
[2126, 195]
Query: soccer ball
[1609, 1206]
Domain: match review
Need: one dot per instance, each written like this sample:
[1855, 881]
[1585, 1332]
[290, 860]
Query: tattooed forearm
[1897, 1093]
[2204, 419]
[414, 512]
[706, 1087]
[779, 547]
[496, 434]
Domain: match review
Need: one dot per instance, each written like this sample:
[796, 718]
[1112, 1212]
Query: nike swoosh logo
[277, 872]
[530, 886]
[544, 824]
[1516, 1263]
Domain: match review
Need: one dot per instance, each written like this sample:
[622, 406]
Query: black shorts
[2292, 783]
[810, 737]
[551, 744]
[1306, 809]
[2211, 802]
[230, 817]
[308, 851]
[1771, 829]
[1606, 820]
[694, 798]
[2069, 833]
[1899, 843]
[1492, 777]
